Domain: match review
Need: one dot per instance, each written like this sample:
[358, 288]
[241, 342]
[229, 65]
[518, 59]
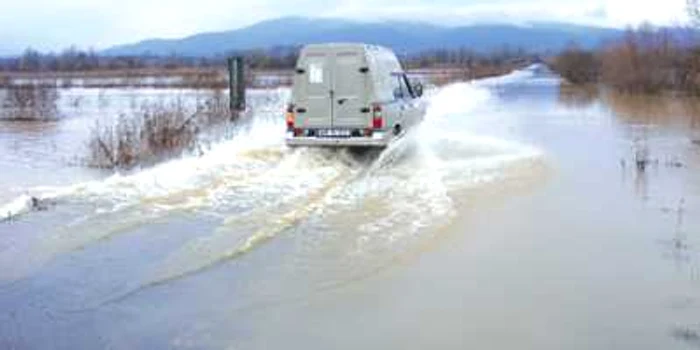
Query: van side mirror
[418, 89]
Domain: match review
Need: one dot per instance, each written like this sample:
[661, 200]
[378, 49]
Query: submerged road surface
[512, 217]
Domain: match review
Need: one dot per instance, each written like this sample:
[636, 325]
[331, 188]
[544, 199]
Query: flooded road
[515, 216]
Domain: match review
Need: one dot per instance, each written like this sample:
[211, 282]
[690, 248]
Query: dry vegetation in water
[646, 60]
[445, 66]
[29, 103]
[153, 132]
[446, 76]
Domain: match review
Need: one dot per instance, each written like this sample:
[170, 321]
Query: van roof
[343, 46]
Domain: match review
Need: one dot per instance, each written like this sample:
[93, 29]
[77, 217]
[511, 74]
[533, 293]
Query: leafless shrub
[30, 103]
[153, 132]
[114, 145]
[644, 60]
[577, 66]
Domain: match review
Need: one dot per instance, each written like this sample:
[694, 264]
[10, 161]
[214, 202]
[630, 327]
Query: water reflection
[654, 110]
[690, 335]
[658, 154]
[638, 110]
[658, 134]
[578, 97]
[629, 235]
[679, 247]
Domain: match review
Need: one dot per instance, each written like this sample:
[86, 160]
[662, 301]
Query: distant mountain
[404, 37]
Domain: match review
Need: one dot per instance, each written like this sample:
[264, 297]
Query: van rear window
[316, 73]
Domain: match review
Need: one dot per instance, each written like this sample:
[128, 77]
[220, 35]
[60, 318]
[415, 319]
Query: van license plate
[333, 133]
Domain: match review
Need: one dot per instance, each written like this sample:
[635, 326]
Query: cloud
[616, 13]
[49, 25]
[52, 25]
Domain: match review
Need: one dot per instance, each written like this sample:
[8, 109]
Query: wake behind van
[349, 95]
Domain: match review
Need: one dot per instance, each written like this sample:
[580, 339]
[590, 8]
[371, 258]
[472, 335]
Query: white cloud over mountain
[51, 25]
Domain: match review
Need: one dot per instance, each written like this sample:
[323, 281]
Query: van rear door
[314, 86]
[350, 90]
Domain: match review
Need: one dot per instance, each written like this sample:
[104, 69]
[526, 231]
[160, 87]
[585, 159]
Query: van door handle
[342, 100]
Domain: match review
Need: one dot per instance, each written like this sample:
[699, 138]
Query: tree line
[76, 60]
[645, 60]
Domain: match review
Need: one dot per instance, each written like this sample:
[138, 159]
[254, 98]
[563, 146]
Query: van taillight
[290, 117]
[377, 118]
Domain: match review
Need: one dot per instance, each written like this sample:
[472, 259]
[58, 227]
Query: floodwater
[515, 216]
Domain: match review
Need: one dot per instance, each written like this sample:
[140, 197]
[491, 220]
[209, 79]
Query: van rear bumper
[375, 141]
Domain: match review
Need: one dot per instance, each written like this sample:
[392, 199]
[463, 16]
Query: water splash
[369, 207]
[19, 206]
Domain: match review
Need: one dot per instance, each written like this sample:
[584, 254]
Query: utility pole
[236, 84]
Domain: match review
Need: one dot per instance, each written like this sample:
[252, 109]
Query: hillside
[404, 37]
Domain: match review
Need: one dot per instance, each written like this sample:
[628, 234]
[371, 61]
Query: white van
[350, 95]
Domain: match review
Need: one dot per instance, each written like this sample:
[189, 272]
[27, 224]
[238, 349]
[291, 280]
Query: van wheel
[397, 130]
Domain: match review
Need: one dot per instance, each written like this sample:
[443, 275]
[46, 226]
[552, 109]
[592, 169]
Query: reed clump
[29, 103]
[153, 132]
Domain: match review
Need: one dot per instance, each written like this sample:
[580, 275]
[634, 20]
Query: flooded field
[520, 214]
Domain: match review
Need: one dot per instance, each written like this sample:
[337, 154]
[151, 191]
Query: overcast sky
[55, 24]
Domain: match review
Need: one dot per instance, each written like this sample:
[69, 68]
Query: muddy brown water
[515, 216]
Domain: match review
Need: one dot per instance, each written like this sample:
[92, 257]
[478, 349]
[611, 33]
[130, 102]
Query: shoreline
[213, 78]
